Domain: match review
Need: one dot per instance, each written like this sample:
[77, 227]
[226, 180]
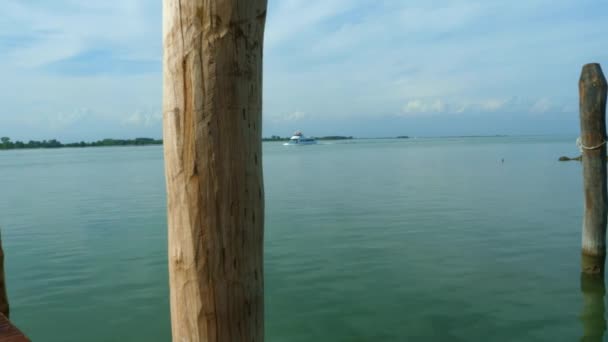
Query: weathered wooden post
[4, 307]
[8, 331]
[592, 92]
[212, 105]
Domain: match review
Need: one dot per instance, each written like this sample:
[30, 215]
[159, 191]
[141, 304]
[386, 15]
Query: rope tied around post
[581, 147]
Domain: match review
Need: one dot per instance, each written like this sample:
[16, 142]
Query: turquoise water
[366, 240]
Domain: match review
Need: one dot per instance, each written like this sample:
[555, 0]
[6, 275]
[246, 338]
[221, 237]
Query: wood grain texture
[212, 116]
[592, 92]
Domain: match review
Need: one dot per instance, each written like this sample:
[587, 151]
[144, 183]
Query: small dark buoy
[502, 160]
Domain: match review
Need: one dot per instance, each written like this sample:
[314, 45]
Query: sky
[85, 70]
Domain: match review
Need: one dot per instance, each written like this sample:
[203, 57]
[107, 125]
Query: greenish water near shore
[366, 240]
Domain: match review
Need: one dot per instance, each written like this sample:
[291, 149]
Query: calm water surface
[366, 240]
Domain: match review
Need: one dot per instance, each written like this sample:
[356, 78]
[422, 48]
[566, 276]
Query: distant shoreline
[7, 144]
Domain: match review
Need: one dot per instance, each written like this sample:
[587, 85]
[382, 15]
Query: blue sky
[75, 69]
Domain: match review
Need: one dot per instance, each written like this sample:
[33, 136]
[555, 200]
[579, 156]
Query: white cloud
[490, 105]
[420, 106]
[516, 105]
[65, 119]
[542, 105]
[141, 118]
[289, 117]
[297, 115]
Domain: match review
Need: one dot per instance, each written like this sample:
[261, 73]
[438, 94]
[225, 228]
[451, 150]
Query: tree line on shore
[7, 144]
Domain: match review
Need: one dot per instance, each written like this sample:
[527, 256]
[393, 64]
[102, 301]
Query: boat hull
[313, 142]
[299, 139]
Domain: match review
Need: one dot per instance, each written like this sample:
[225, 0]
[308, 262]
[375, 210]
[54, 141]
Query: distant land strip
[7, 144]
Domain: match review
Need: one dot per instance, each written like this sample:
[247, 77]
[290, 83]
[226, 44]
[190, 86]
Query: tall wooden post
[4, 307]
[212, 104]
[592, 92]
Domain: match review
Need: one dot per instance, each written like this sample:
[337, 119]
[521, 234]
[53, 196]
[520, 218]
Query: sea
[419, 239]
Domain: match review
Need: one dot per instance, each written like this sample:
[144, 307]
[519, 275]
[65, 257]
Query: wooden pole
[212, 129]
[592, 317]
[4, 307]
[592, 92]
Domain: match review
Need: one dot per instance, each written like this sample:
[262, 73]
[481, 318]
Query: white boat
[299, 139]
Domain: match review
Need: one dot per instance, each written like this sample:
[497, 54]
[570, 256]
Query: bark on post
[592, 92]
[212, 116]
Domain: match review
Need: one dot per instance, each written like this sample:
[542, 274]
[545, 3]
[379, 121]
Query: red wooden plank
[9, 332]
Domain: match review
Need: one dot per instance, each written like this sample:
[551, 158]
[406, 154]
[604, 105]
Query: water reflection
[593, 289]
